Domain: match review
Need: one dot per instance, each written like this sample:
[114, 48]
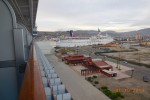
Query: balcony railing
[32, 86]
[41, 82]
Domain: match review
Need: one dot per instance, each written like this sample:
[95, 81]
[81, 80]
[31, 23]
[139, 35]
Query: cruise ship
[73, 41]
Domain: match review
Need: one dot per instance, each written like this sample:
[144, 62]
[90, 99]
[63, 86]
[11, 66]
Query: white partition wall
[15, 41]
[8, 75]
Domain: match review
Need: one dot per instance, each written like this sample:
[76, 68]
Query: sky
[116, 15]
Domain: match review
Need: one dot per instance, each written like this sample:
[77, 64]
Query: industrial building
[92, 66]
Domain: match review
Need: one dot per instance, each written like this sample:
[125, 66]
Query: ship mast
[99, 32]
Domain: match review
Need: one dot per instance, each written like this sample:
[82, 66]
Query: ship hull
[82, 42]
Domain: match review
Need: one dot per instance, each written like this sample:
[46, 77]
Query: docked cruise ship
[73, 41]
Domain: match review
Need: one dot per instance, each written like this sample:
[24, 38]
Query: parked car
[125, 62]
[145, 79]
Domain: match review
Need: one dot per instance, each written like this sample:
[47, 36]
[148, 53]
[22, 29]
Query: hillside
[83, 33]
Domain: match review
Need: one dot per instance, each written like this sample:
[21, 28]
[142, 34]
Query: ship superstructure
[83, 41]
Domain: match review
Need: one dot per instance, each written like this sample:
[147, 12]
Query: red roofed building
[102, 65]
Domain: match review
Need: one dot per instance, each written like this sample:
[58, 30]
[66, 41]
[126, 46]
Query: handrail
[32, 86]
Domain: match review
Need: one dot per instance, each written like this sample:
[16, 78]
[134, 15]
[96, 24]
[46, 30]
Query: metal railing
[54, 88]
[32, 87]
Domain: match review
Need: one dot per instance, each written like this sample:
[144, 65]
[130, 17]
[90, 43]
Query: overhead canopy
[25, 11]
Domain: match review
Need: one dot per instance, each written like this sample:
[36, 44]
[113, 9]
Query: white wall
[8, 84]
[6, 34]
[8, 71]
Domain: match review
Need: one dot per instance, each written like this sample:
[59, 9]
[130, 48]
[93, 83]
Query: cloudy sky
[117, 15]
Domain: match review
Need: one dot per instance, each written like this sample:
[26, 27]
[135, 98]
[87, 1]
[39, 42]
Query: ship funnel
[71, 33]
[99, 32]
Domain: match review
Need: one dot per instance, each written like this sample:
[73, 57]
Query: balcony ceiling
[25, 11]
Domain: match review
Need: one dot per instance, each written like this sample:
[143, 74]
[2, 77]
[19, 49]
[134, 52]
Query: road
[78, 87]
[138, 73]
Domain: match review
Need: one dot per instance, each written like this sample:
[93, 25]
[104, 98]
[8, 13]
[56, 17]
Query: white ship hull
[73, 42]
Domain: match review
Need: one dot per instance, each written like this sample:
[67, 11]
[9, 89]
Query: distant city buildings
[138, 37]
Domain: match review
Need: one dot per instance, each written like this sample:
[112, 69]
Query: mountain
[82, 33]
[144, 32]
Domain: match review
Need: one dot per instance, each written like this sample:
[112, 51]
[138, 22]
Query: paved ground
[142, 55]
[129, 83]
[120, 73]
[139, 71]
[80, 91]
[79, 88]
[131, 88]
